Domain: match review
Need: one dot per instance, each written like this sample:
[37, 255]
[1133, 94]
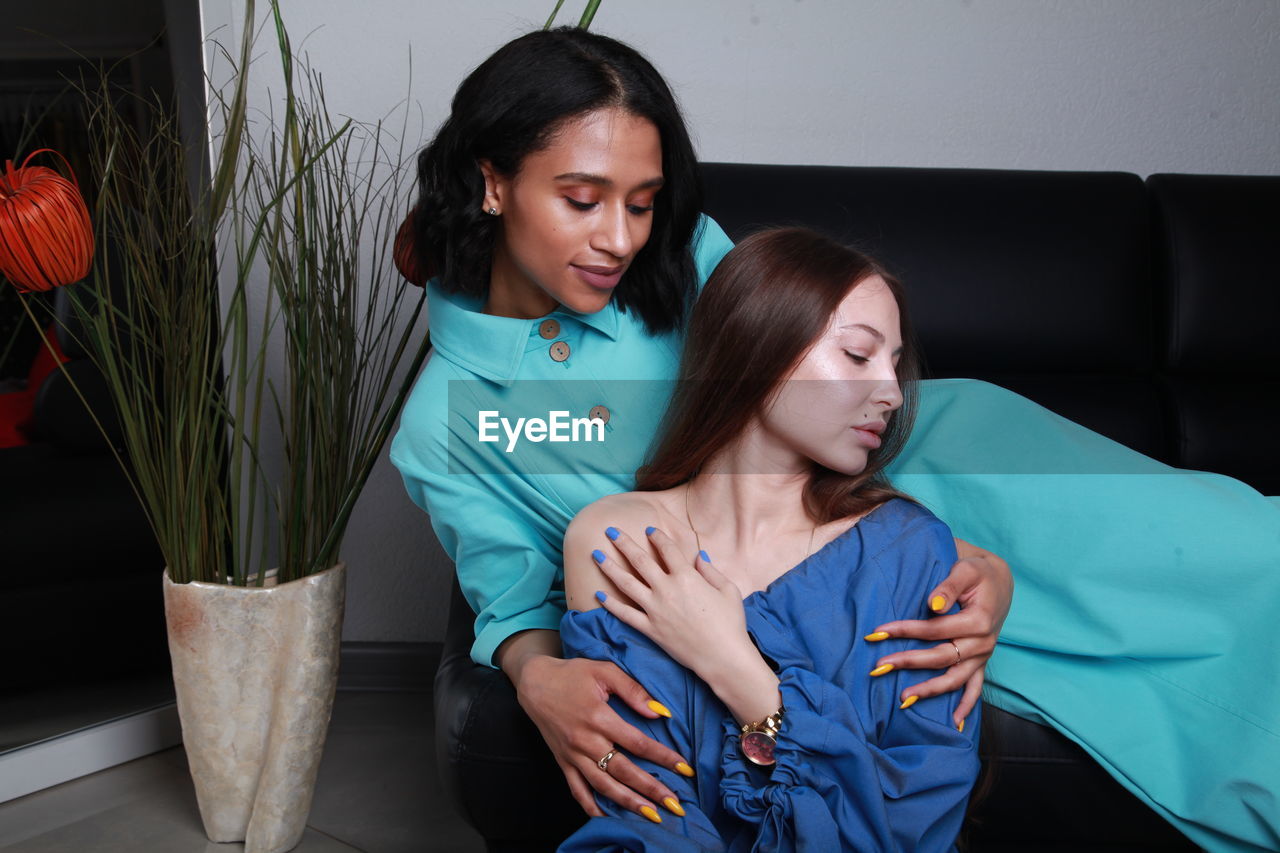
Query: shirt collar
[493, 347]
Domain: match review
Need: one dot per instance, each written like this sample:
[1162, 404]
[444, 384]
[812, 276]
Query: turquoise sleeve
[506, 553]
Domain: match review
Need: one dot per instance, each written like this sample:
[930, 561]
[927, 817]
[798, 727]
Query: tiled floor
[377, 792]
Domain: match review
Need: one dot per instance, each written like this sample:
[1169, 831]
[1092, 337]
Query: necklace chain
[808, 549]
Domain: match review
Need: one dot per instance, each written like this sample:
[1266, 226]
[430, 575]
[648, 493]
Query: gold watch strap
[770, 725]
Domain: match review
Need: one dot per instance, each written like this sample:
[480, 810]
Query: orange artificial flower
[46, 239]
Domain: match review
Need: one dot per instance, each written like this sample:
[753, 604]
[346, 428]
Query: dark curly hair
[511, 106]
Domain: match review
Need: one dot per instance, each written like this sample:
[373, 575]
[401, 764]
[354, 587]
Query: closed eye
[634, 209]
[859, 359]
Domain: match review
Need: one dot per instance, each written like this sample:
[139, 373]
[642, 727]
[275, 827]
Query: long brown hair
[759, 313]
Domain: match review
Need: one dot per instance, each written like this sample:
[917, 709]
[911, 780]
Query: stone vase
[255, 671]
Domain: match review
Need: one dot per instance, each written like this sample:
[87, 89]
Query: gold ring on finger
[603, 763]
[953, 642]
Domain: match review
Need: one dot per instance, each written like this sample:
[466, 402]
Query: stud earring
[493, 211]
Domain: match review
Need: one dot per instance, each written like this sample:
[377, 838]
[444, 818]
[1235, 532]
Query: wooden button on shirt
[559, 351]
[549, 328]
[599, 412]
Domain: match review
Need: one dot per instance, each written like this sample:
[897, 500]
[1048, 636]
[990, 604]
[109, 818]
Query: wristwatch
[759, 739]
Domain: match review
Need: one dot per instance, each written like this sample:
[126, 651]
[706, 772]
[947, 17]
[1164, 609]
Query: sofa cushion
[1038, 281]
[1215, 248]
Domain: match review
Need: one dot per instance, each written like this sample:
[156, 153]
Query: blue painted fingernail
[648, 531]
[611, 532]
[600, 596]
[598, 555]
[703, 555]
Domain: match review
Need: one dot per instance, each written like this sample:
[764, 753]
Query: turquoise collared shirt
[500, 507]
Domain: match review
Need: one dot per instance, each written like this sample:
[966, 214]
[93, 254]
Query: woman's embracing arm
[507, 560]
[504, 550]
[571, 708]
[982, 584]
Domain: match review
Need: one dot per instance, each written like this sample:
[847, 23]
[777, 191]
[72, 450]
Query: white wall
[1141, 86]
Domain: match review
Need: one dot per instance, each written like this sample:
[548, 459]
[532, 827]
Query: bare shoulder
[629, 512]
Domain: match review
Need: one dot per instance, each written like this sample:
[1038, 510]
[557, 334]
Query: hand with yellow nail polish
[568, 701]
[962, 616]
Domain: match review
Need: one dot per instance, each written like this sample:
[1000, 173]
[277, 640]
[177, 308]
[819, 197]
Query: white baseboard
[69, 756]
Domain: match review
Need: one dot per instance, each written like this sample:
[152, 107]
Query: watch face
[758, 748]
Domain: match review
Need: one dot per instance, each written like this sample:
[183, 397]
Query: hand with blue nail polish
[684, 605]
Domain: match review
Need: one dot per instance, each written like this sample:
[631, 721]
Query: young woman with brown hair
[797, 388]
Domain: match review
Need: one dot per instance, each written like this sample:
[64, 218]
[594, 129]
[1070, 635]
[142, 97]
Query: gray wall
[1140, 86]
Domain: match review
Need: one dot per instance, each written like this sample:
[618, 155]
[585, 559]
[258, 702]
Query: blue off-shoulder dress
[854, 771]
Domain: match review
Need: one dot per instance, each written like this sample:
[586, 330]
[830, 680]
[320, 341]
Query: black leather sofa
[1146, 310]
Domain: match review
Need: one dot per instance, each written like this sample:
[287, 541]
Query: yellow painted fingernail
[961, 726]
[674, 806]
[882, 669]
[878, 635]
[684, 769]
[651, 813]
[658, 708]
[937, 603]
[911, 700]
